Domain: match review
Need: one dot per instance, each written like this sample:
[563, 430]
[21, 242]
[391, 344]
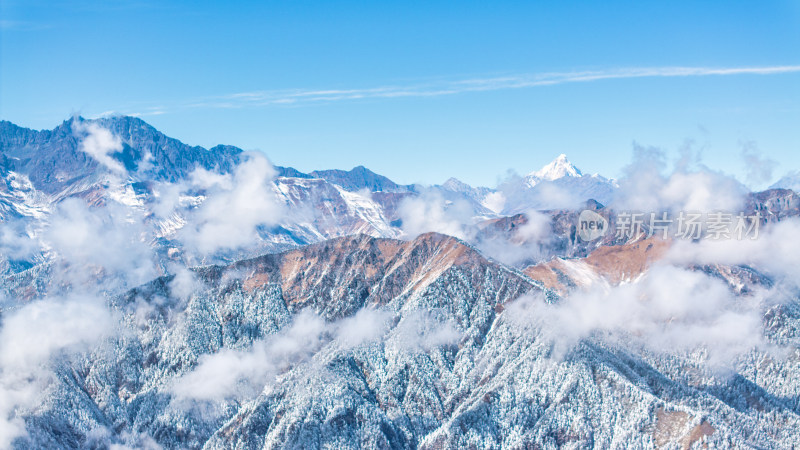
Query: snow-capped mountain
[361, 342]
[788, 181]
[359, 178]
[41, 169]
[558, 168]
[557, 185]
[158, 295]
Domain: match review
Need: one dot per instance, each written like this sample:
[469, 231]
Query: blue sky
[420, 91]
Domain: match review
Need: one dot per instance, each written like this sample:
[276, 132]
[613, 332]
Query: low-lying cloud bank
[649, 185]
[670, 310]
[240, 374]
[34, 339]
[235, 206]
[707, 297]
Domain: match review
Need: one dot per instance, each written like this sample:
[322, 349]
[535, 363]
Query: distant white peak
[789, 181]
[454, 184]
[558, 168]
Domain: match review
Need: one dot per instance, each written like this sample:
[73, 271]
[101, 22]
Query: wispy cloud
[462, 86]
[490, 84]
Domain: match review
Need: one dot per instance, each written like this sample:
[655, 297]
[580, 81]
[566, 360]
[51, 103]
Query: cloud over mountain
[208, 298]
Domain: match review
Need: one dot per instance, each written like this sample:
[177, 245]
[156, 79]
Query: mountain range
[158, 295]
[40, 169]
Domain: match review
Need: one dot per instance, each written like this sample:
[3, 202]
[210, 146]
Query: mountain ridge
[558, 168]
[455, 362]
[338, 325]
[147, 139]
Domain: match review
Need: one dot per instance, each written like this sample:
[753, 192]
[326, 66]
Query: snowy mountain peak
[558, 168]
[789, 181]
[456, 185]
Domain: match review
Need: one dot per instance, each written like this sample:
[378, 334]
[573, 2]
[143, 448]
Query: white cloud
[774, 251]
[184, 282]
[100, 144]
[139, 441]
[29, 338]
[431, 212]
[454, 87]
[669, 310]
[366, 325]
[646, 187]
[423, 330]
[495, 201]
[758, 169]
[16, 242]
[536, 229]
[520, 196]
[103, 243]
[206, 179]
[673, 308]
[241, 373]
[234, 206]
[527, 243]
[522, 81]
[166, 199]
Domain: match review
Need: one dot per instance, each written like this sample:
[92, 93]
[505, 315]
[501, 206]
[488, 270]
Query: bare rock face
[613, 264]
[360, 270]
[774, 204]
